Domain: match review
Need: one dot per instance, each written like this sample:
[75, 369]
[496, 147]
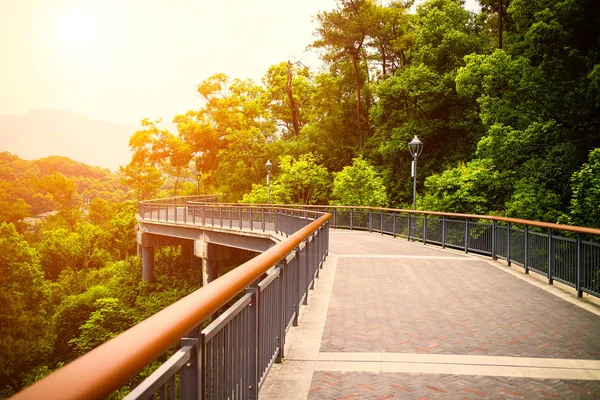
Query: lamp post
[268, 166]
[415, 147]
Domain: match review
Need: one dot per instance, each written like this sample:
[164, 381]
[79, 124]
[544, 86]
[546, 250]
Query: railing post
[526, 258]
[466, 235]
[334, 218]
[296, 284]
[550, 257]
[393, 225]
[202, 209]
[424, 228]
[381, 223]
[262, 216]
[306, 257]
[350, 219]
[193, 214]
[282, 266]
[494, 238]
[443, 232]
[252, 337]
[509, 244]
[185, 211]
[175, 208]
[241, 222]
[578, 284]
[408, 228]
[191, 372]
[220, 217]
[370, 220]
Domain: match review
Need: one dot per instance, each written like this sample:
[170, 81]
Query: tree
[172, 155]
[300, 181]
[585, 202]
[343, 33]
[289, 88]
[359, 185]
[471, 188]
[23, 309]
[141, 174]
[109, 318]
[421, 99]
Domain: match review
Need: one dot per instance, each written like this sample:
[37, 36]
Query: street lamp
[268, 166]
[415, 147]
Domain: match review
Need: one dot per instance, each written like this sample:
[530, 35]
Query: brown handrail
[103, 370]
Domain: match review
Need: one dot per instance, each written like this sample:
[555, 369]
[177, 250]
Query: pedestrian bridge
[355, 302]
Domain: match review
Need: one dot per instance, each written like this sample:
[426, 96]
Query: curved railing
[232, 355]
[562, 253]
[229, 358]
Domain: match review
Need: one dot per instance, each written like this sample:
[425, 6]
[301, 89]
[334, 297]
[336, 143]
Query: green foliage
[359, 185]
[121, 231]
[585, 203]
[83, 249]
[23, 309]
[300, 181]
[108, 320]
[530, 200]
[468, 188]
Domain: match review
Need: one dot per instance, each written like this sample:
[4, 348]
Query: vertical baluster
[550, 257]
[508, 243]
[579, 261]
[466, 235]
[494, 240]
[526, 260]
[443, 232]
[253, 336]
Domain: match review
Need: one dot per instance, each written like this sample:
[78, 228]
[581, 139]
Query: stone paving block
[451, 307]
[365, 385]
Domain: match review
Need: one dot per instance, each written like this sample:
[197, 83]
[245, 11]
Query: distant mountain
[42, 133]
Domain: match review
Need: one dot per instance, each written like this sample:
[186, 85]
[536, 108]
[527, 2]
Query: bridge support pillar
[148, 264]
[209, 271]
[208, 253]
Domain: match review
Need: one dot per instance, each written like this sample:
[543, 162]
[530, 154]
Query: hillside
[28, 188]
[42, 133]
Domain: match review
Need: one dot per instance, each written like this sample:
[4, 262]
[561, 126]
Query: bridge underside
[203, 246]
[393, 319]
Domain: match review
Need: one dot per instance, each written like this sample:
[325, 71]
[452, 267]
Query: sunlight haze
[122, 61]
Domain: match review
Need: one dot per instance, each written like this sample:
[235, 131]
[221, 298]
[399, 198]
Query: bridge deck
[393, 319]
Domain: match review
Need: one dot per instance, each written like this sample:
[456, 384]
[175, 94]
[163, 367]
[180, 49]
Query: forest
[506, 102]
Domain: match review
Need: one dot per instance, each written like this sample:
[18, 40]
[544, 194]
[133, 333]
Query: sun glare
[77, 29]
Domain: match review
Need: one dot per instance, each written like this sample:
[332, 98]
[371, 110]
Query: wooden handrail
[104, 369]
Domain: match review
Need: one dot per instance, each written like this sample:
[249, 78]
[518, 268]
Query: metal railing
[567, 254]
[563, 253]
[229, 358]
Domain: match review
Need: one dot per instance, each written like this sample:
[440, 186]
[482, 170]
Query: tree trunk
[175, 188]
[500, 24]
[288, 89]
[357, 74]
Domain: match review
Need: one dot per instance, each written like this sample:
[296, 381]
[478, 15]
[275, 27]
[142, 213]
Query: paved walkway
[393, 319]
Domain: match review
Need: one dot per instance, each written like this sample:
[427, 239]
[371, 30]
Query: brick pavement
[406, 303]
[365, 385]
[447, 306]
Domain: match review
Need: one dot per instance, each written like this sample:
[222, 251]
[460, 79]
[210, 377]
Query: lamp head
[268, 166]
[415, 147]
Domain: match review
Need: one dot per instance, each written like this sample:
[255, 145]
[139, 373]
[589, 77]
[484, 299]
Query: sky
[125, 60]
